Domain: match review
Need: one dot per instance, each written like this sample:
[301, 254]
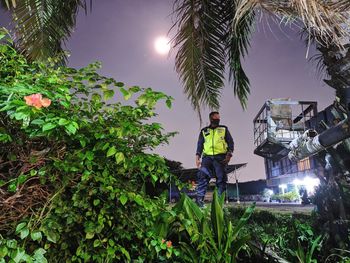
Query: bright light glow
[297, 182]
[310, 184]
[162, 45]
[270, 192]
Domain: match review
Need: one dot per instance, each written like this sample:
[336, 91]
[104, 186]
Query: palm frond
[237, 41]
[341, 5]
[9, 3]
[323, 19]
[200, 60]
[42, 26]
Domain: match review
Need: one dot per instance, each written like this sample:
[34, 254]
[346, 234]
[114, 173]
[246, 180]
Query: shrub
[204, 235]
[74, 164]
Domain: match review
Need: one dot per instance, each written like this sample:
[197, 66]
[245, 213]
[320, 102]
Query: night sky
[121, 33]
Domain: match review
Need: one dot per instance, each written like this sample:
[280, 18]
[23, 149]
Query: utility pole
[237, 190]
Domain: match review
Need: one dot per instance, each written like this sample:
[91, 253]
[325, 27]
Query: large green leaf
[190, 253]
[315, 243]
[243, 220]
[217, 218]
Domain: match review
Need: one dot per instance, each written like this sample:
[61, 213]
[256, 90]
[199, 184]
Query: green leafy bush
[204, 235]
[275, 235]
[288, 197]
[75, 161]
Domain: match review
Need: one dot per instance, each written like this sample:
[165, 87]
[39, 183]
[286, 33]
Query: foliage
[289, 196]
[11, 249]
[340, 256]
[206, 42]
[306, 256]
[286, 236]
[42, 27]
[204, 235]
[86, 156]
[214, 34]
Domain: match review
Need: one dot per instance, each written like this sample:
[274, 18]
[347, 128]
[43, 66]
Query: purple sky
[121, 33]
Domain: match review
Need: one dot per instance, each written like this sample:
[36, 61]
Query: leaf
[71, 128]
[24, 233]
[238, 245]
[119, 157]
[19, 255]
[123, 199]
[89, 235]
[96, 97]
[96, 202]
[42, 26]
[20, 115]
[127, 95]
[105, 146]
[315, 243]
[39, 255]
[22, 178]
[3, 251]
[12, 188]
[20, 227]
[154, 242]
[82, 142]
[97, 243]
[125, 253]
[52, 236]
[36, 235]
[217, 218]
[89, 155]
[111, 151]
[38, 122]
[65, 104]
[141, 100]
[107, 94]
[63, 122]
[135, 89]
[243, 220]
[12, 243]
[168, 103]
[138, 199]
[49, 126]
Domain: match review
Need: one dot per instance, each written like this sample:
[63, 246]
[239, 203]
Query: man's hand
[227, 159]
[198, 161]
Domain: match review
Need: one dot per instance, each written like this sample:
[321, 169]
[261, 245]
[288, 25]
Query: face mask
[215, 122]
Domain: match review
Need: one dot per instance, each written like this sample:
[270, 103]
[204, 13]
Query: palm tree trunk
[337, 64]
[334, 203]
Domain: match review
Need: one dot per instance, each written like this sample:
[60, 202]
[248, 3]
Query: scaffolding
[278, 122]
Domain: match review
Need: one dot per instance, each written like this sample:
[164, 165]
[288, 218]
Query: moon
[162, 45]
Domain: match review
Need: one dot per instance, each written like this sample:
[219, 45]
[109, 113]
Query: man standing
[215, 146]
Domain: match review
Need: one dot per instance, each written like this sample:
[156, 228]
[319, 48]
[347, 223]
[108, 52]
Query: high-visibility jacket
[213, 141]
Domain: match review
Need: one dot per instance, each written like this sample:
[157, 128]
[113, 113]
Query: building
[276, 125]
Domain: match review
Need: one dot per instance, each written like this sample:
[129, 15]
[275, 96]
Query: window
[304, 164]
